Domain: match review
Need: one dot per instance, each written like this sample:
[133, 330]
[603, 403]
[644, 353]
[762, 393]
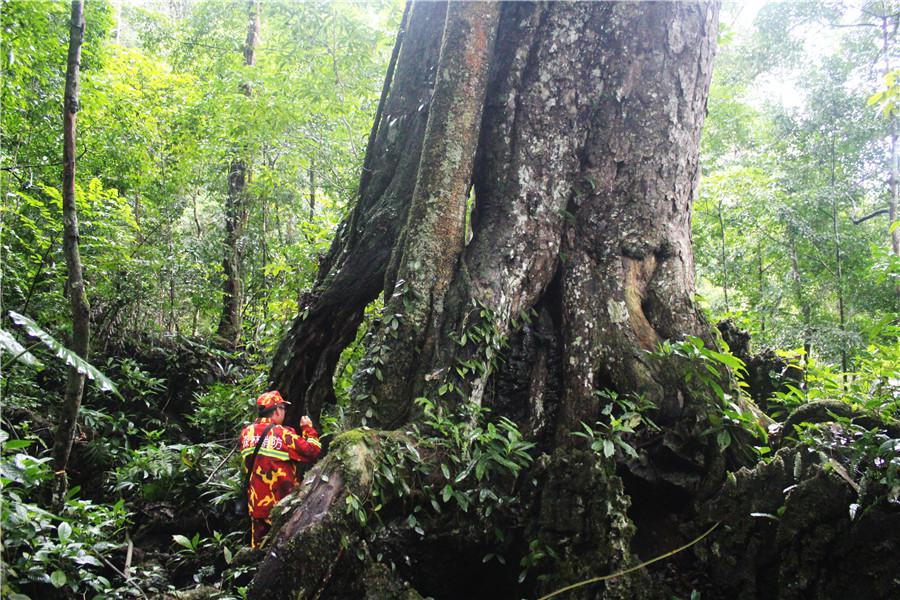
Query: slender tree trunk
[236, 211]
[761, 281]
[311, 172]
[892, 199]
[196, 217]
[723, 257]
[839, 264]
[893, 180]
[172, 321]
[800, 299]
[81, 332]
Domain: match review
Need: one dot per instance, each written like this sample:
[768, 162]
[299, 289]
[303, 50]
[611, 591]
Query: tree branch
[848, 25]
[41, 166]
[872, 215]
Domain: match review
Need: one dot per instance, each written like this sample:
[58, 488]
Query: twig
[37, 275]
[123, 576]
[41, 165]
[10, 425]
[569, 588]
[219, 466]
[871, 215]
[128, 556]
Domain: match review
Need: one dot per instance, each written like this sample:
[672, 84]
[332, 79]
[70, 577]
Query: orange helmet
[268, 399]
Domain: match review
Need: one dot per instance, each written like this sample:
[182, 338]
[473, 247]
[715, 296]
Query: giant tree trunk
[81, 332]
[236, 212]
[584, 122]
[586, 167]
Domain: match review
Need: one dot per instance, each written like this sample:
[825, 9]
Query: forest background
[791, 230]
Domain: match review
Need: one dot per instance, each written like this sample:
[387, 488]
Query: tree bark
[427, 253]
[585, 165]
[893, 179]
[352, 273]
[236, 211]
[584, 121]
[312, 189]
[75, 286]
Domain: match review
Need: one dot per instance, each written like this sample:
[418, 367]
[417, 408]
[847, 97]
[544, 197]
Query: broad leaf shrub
[872, 386]
[221, 411]
[44, 551]
[164, 471]
[620, 419]
[722, 374]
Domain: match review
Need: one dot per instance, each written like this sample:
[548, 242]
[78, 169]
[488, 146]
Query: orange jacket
[275, 470]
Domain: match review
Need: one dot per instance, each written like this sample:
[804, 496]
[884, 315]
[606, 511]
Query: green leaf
[723, 438]
[58, 579]
[227, 554]
[70, 357]
[17, 444]
[388, 473]
[608, 448]
[182, 541]
[462, 500]
[87, 559]
[64, 531]
[9, 344]
[479, 470]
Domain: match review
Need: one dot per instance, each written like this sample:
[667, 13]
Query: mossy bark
[75, 285]
[237, 210]
[583, 517]
[352, 273]
[306, 540]
[316, 542]
[787, 533]
[585, 166]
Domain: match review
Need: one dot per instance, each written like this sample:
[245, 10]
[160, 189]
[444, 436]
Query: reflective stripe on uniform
[314, 442]
[279, 454]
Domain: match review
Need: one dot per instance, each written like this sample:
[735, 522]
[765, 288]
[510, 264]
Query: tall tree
[81, 330]
[236, 209]
[570, 216]
[586, 165]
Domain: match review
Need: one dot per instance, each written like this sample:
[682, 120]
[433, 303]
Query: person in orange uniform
[275, 469]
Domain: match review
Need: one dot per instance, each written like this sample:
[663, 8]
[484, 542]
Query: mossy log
[788, 531]
[827, 411]
[305, 542]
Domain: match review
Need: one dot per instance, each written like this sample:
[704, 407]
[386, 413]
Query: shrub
[43, 550]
